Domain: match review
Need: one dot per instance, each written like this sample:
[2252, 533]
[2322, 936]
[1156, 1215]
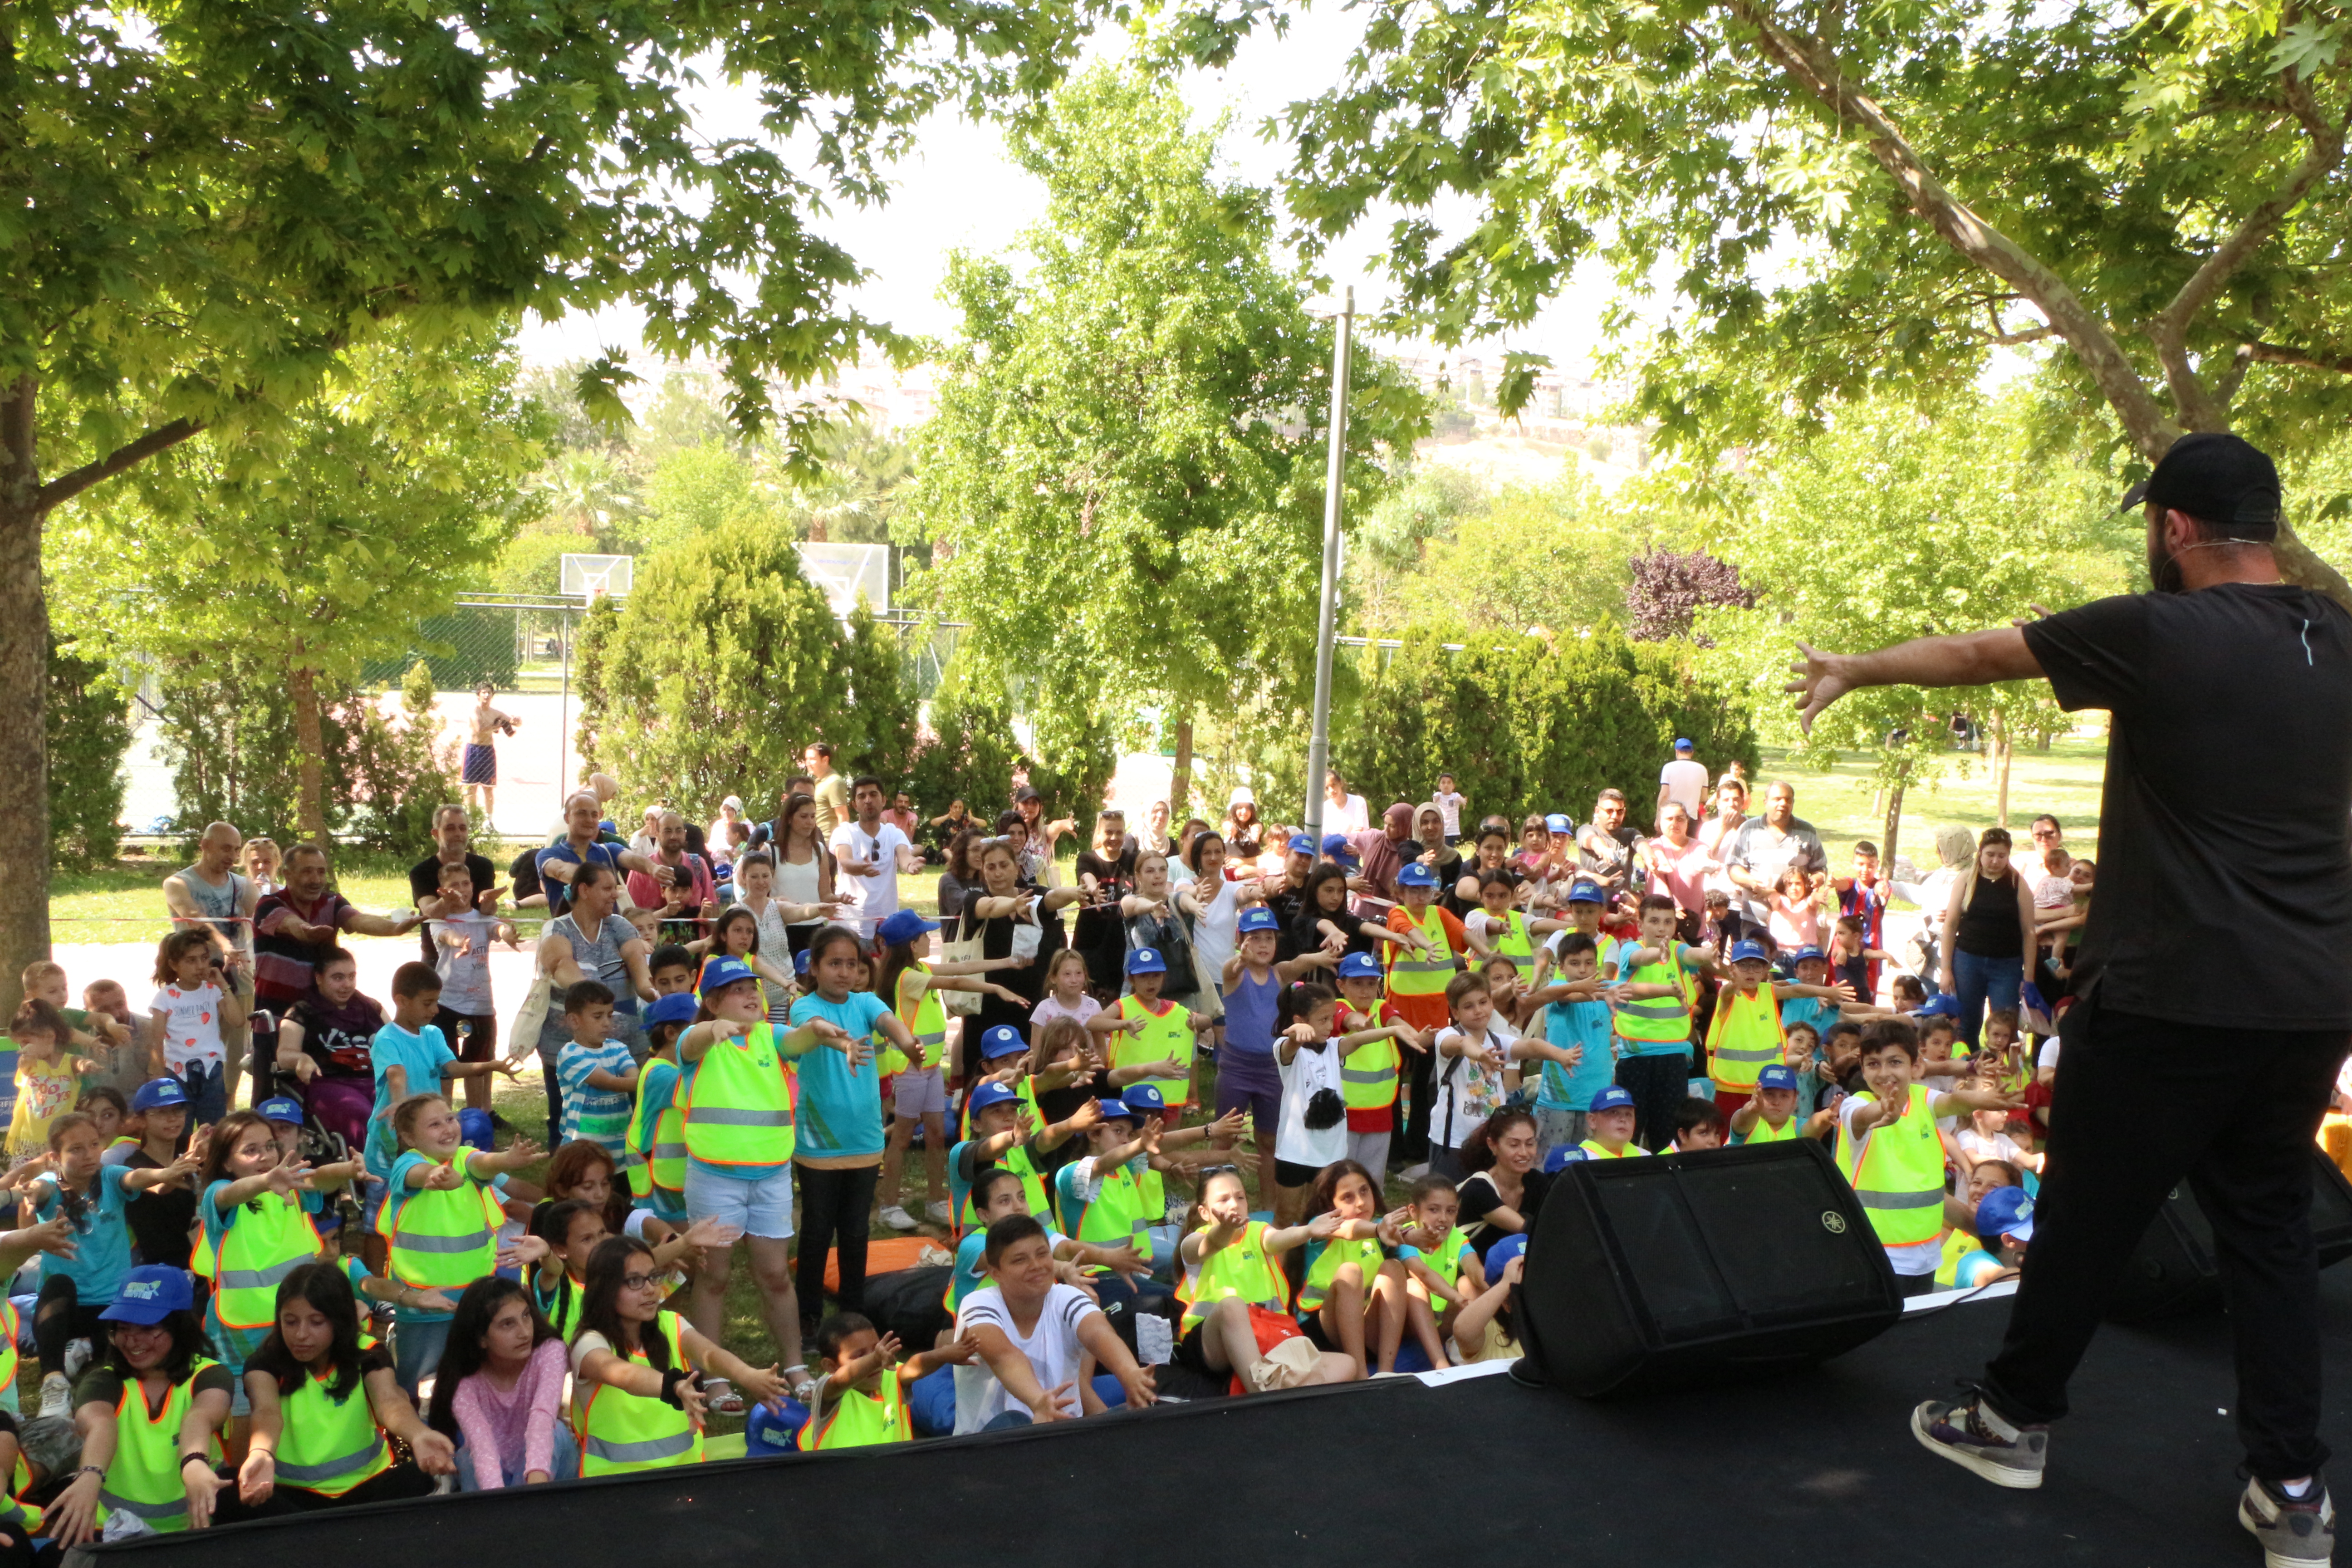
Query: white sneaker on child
[78, 1356]
[56, 1395]
[897, 1217]
[938, 1209]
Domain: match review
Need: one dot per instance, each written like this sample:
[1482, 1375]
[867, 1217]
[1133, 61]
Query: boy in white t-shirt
[1039, 1341]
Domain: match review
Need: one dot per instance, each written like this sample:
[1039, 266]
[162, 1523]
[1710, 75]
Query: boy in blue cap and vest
[1004, 1132]
[1747, 1035]
[1586, 907]
[1416, 988]
[1609, 1120]
[1150, 1029]
[1770, 1116]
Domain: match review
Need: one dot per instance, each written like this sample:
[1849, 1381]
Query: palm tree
[587, 489]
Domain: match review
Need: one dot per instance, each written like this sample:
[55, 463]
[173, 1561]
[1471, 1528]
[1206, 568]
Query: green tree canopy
[1123, 478]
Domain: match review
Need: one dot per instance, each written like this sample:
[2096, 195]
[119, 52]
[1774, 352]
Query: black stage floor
[1814, 1469]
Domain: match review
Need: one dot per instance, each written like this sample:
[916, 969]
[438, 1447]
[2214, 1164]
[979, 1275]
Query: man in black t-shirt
[451, 835]
[2213, 1007]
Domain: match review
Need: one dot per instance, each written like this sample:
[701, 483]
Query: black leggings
[403, 1480]
[834, 1206]
[59, 1318]
[1659, 1085]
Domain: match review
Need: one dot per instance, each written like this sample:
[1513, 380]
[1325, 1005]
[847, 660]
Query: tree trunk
[23, 689]
[1894, 817]
[2001, 755]
[311, 746]
[1179, 783]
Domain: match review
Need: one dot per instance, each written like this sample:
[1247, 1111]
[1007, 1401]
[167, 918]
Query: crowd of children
[1080, 1125]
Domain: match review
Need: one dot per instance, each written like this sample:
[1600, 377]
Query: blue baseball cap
[1001, 1040]
[1808, 951]
[1416, 876]
[150, 1293]
[1301, 845]
[1561, 822]
[1559, 1156]
[678, 1008]
[2006, 1211]
[279, 1108]
[1336, 845]
[159, 1093]
[1512, 1246]
[1777, 1075]
[1743, 950]
[1613, 1098]
[1146, 961]
[1258, 917]
[1118, 1109]
[1144, 1097]
[720, 972]
[1586, 893]
[1359, 966]
[800, 963]
[1940, 1005]
[903, 925]
[989, 1094]
[1683, 743]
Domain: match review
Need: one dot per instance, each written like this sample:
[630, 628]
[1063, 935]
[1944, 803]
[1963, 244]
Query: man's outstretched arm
[1968, 658]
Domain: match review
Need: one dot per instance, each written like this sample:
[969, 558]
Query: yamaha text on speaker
[2175, 1270]
[1690, 1268]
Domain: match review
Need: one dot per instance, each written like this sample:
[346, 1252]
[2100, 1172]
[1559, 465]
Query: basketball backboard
[594, 576]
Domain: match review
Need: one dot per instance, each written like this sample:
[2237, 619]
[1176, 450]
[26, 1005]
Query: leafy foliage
[89, 733]
[228, 731]
[1535, 724]
[400, 773]
[1670, 586]
[972, 752]
[876, 728]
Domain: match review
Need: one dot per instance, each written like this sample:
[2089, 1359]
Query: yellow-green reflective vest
[1116, 1217]
[1320, 1274]
[1368, 1074]
[738, 1103]
[1517, 945]
[1593, 1150]
[1898, 1171]
[1165, 1035]
[329, 1446]
[1446, 1261]
[1033, 1189]
[1745, 1038]
[859, 1420]
[144, 1478]
[441, 1240]
[1658, 1018]
[664, 1162]
[270, 1236]
[1241, 1268]
[1764, 1132]
[1413, 973]
[926, 1021]
[620, 1431]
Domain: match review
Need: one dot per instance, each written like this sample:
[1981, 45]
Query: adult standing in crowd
[1718, 835]
[718, 836]
[1767, 845]
[590, 940]
[1683, 780]
[210, 897]
[1604, 845]
[1381, 853]
[1342, 811]
[479, 771]
[1434, 845]
[583, 844]
[829, 789]
[453, 837]
[2048, 856]
[1678, 864]
[690, 900]
[293, 928]
[804, 870]
[871, 856]
[1011, 922]
[1989, 919]
[2212, 1004]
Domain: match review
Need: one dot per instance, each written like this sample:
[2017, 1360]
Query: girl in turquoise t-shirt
[837, 1145]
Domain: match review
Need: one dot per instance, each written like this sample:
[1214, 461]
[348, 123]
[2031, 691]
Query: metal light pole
[1319, 743]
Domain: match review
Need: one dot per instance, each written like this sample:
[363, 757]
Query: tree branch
[162, 438]
[2198, 409]
[1817, 73]
[2227, 388]
[2300, 359]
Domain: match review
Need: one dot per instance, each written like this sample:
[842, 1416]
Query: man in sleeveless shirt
[2202, 1046]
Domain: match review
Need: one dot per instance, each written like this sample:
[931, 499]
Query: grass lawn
[2063, 781]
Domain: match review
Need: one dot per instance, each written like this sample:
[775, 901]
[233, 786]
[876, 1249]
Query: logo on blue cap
[1001, 1040]
[1559, 822]
[1777, 1075]
[1146, 961]
[1143, 1096]
[1613, 1098]
[1301, 845]
[1586, 893]
[991, 1094]
[2006, 1211]
[1416, 876]
[1258, 917]
[150, 1293]
[1359, 966]
[279, 1108]
[1118, 1109]
[1808, 951]
[720, 972]
[158, 1094]
[1743, 950]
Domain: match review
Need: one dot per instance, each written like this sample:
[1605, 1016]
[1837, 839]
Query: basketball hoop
[591, 578]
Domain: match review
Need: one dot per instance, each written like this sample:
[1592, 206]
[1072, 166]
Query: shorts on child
[480, 1029]
[763, 1207]
[1243, 1084]
[921, 1093]
[1556, 1127]
[1288, 1174]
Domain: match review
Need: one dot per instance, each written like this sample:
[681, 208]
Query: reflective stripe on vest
[1593, 1150]
[1515, 944]
[327, 1445]
[665, 1163]
[267, 1238]
[1745, 1038]
[738, 1103]
[1657, 1020]
[442, 1237]
[620, 1431]
[145, 1477]
[1413, 973]
[1164, 1036]
[1242, 1268]
[1898, 1171]
[1368, 1076]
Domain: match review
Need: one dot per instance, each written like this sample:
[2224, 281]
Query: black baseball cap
[2223, 481]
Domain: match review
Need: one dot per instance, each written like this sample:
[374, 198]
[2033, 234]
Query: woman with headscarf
[1431, 850]
[1383, 852]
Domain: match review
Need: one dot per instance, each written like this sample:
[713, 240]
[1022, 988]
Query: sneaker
[1413, 1172]
[1961, 1433]
[56, 1395]
[937, 1211]
[898, 1218]
[2295, 1533]
[78, 1356]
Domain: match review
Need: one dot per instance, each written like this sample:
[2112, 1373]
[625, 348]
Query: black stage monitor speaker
[1691, 1268]
[2174, 1270]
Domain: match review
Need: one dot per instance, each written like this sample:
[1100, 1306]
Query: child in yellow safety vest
[1232, 1272]
[1442, 1267]
[861, 1399]
[1149, 1030]
[1351, 1295]
[1770, 1117]
[914, 988]
[1417, 978]
[1369, 1071]
[1747, 1035]
[1888, 1148]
